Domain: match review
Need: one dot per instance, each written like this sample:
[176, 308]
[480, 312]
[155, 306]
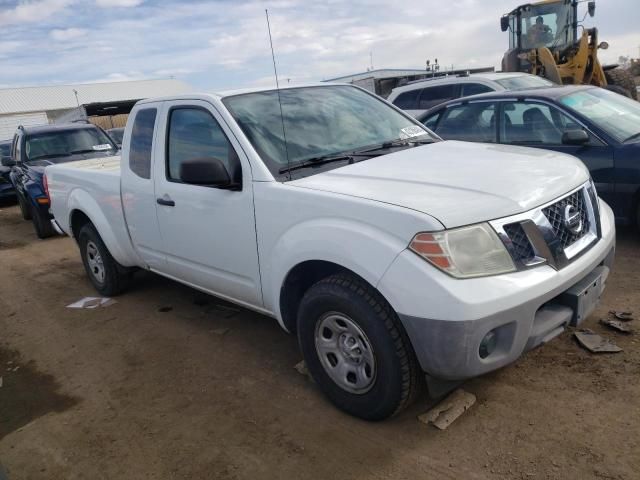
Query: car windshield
[57, 144]
[318, 122]
[116, 134]
[617, 115]
[524, 81]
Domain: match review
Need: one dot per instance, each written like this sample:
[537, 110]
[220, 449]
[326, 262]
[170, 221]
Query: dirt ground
[168, 383]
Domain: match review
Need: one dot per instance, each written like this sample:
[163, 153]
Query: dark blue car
[6, 187]
[33, 148]
[600, 127]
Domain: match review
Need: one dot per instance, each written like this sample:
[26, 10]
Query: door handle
[166, 201]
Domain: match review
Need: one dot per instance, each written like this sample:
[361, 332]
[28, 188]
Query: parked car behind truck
[33, 148]
[600, 127]
[389, 253]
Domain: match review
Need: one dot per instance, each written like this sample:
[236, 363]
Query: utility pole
[371, 59]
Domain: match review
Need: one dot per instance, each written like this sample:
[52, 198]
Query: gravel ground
[169, 383]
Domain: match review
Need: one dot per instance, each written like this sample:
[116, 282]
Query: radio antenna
[275, 71]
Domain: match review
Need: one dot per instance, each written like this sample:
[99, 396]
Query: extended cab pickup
[389, 252]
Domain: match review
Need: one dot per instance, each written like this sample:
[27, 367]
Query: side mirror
[504, 23]
[205, 171]
[575, 137]
[591, 8]
[8, 162]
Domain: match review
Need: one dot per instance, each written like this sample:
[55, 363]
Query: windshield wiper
[48, 155]
[89, 150]
[632, 137]
[309, 162]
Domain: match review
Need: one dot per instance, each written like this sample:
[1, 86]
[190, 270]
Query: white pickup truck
[393, 255]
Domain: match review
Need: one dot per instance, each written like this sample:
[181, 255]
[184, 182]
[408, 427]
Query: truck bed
[94, 187]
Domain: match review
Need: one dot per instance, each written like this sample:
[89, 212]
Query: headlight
[466, 252]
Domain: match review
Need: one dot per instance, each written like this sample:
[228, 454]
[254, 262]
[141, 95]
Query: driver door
[208, 233]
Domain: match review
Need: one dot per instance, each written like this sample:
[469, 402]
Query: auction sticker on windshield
[103, 146]
[412, 131]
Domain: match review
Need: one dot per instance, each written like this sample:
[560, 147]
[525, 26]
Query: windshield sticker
[412, 131]
[104, 146]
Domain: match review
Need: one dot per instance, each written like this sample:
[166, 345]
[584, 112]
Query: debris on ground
[624, 316]
[595, 343]
[220, 331]
[448, 410]
[165, 309]
[616, 325]
[0, 382]
[92, 302]
[301, 367]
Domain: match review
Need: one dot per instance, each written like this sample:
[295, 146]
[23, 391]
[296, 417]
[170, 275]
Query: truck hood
[458, 183]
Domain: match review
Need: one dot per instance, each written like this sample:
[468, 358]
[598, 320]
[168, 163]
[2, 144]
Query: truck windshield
[617, 115]
[318, 122]
[547, 25]
[57, 144]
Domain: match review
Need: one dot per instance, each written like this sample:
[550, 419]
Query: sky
[220, 44]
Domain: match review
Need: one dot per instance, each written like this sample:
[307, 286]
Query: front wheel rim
[345, 353]
[94, 260]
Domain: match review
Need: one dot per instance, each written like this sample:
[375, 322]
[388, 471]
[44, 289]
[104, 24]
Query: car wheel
[41, 225]
[108, 277]
[355, 348]
[24, 209]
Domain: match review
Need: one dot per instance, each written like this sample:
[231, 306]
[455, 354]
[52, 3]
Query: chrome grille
[522, 249]
[544, 234]
[555, 215]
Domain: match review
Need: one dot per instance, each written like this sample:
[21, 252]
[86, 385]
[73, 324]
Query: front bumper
[447, 319]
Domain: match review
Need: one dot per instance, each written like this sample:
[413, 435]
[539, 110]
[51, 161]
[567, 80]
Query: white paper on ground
[92, 302]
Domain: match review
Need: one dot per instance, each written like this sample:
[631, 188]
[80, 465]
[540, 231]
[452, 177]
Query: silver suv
[417, 97]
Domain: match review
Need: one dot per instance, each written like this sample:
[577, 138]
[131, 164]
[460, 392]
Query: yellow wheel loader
[548, 39]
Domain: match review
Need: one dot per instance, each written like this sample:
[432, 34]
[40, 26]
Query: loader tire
[619, 77]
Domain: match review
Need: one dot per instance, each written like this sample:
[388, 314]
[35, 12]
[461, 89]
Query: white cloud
[32, 11]
[118, 3]
[66, 34]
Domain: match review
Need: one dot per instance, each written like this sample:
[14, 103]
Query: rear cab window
[141, 142]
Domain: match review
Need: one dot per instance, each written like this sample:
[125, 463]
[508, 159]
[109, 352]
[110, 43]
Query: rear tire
[622, 78]
[107, 276]
[42, 226]
[356, 349]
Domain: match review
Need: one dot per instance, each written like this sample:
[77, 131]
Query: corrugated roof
[56, 97]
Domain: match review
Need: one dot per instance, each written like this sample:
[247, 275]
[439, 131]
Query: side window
[407, 100]
[471, 122]
[534, 123]
[194, 133]
[141, 141]
[431, 121]
[432, 96]
[474, 89]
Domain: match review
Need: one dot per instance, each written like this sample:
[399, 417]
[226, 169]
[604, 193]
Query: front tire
[355, 348]
[107, 276]
[24, 209]
[42, 226]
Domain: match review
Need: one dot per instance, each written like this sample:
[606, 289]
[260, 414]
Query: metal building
[41, 105]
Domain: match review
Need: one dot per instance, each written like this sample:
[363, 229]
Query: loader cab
[551, 24]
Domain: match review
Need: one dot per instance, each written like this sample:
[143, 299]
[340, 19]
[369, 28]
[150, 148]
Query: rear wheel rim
[345, 353]
[94, 260]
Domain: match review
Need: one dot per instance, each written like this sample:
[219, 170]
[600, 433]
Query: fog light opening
[488, 344]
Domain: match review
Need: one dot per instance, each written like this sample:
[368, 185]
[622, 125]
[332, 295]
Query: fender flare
[79, 200]
[355, 246]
